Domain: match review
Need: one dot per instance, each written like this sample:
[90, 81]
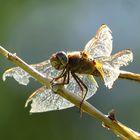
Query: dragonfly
[76, 71]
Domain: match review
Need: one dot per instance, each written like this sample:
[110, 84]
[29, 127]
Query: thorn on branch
[112, 117]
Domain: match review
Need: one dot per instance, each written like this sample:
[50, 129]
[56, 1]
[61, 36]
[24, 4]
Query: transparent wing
[111, 65]
[23, 77]
[44, 100]
[122, 58]
[101, 44]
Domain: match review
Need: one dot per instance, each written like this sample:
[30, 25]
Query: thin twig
[108, 121]
[29, 69]
[130, 76]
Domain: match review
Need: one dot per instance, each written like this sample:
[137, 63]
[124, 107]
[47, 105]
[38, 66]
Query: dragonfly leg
[81, 85]
[67, 79]
[60, 76]
[65, 75]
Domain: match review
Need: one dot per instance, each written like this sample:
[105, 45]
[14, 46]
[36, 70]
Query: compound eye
[62, 56]
[59, 60]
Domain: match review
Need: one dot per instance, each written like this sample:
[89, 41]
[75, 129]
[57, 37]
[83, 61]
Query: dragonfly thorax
[59, 60]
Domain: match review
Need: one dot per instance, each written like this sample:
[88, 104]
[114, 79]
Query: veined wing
[23, 77]
[101, 44]
[111, 65]
[44, 99]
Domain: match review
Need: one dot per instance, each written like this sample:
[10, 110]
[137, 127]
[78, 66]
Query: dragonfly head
[59, 60]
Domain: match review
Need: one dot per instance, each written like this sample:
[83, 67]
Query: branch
[109, 121]
[130, 76]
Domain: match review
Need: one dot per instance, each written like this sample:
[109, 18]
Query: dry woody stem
[108, 121]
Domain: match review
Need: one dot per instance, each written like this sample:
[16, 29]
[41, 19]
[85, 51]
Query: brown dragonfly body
[81, 63]
[78, 62]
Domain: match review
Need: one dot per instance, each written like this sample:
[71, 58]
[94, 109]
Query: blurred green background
[36, 29]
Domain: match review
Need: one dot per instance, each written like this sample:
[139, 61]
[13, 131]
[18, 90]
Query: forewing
[111, 66]
[101, 44]
[22, 77]
[44, 100]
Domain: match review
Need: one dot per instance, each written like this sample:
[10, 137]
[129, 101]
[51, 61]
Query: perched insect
[75, 70]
